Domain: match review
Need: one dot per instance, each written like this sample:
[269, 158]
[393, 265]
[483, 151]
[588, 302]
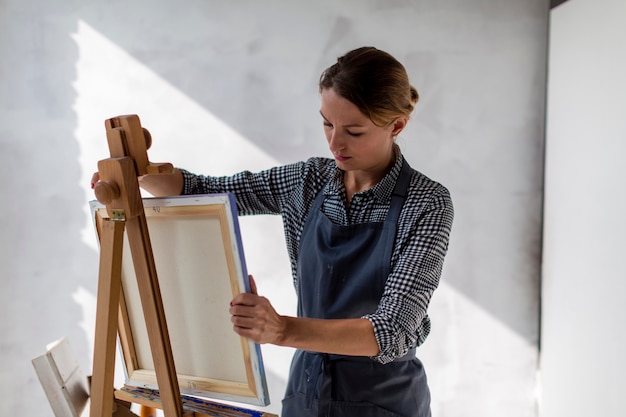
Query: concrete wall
[583, 367]
[225, 86]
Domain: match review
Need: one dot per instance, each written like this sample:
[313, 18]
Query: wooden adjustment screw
[106, 192]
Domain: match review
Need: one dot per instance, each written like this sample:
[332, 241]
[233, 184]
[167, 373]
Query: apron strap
[400, 192]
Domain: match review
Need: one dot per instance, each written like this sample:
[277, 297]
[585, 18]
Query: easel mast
[118, 190]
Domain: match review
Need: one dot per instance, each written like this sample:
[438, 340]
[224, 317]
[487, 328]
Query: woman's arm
[159, 185]
[339, 336]
[254, 317]
[162, 185]
[401, 320]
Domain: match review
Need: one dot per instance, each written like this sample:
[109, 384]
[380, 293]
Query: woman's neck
[361, 180]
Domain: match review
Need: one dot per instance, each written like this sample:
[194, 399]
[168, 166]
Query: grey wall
[583, 320]
[225, 86]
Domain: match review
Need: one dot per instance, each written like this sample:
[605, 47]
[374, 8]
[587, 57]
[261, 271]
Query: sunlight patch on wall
[454, 317]
[111, 82]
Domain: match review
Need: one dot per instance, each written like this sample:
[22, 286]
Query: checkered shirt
[401, 321]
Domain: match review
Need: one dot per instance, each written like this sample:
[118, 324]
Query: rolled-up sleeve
[401, 321]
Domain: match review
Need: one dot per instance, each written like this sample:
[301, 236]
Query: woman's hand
[254, 317]
[94, 179]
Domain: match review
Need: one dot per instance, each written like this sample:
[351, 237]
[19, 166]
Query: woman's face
[355, 141]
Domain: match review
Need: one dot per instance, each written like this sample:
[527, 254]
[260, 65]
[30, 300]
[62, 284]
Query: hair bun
[414, 95]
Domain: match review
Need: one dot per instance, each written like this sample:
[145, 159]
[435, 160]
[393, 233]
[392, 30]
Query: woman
[366, 236]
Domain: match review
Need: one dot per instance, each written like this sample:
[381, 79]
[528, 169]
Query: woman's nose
[334, 141]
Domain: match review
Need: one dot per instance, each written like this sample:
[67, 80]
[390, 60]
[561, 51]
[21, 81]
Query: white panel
[583, 367]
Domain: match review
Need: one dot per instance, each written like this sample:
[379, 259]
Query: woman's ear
[398, 125]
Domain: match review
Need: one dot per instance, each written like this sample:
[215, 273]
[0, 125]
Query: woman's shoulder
[319, 167]
[425, 189]
[320, 163]
[306, 176]
[428, 203]
[314, 167]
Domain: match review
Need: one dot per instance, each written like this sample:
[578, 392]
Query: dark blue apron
[341, 274]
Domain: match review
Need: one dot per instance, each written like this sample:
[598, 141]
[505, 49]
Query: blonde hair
[374, 81]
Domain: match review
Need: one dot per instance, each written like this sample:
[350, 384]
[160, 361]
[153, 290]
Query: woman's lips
[341, 158]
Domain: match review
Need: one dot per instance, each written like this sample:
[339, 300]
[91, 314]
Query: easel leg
[109, 284]
[118, 189]
[147, 411]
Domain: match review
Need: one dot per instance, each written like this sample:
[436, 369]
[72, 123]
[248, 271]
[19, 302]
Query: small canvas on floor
[62, 379]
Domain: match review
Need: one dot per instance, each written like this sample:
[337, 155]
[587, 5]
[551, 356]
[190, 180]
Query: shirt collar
[380, 192]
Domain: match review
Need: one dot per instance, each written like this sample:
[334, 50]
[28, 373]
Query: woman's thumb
[252, 285]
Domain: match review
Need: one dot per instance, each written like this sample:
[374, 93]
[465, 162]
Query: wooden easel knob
[106, 192]
[147, 137]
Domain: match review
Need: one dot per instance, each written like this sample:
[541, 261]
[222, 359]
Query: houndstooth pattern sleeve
[401, 321]
[264, 192]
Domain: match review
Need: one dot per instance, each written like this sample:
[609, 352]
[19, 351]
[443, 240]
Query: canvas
[200, 264]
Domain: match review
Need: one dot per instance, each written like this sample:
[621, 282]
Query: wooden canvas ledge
[192, 406]
[200, 266]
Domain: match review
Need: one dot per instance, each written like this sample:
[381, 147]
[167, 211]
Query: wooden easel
[118, 190]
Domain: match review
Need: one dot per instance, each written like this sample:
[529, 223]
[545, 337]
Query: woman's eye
[326, 124]
[354, 134]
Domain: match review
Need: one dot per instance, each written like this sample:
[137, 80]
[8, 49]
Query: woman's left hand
[254, 317]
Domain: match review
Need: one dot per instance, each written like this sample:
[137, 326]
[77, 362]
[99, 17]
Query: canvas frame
[200, 264]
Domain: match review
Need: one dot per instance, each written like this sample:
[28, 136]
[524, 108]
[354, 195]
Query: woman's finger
[252, 285]
[94, 179]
